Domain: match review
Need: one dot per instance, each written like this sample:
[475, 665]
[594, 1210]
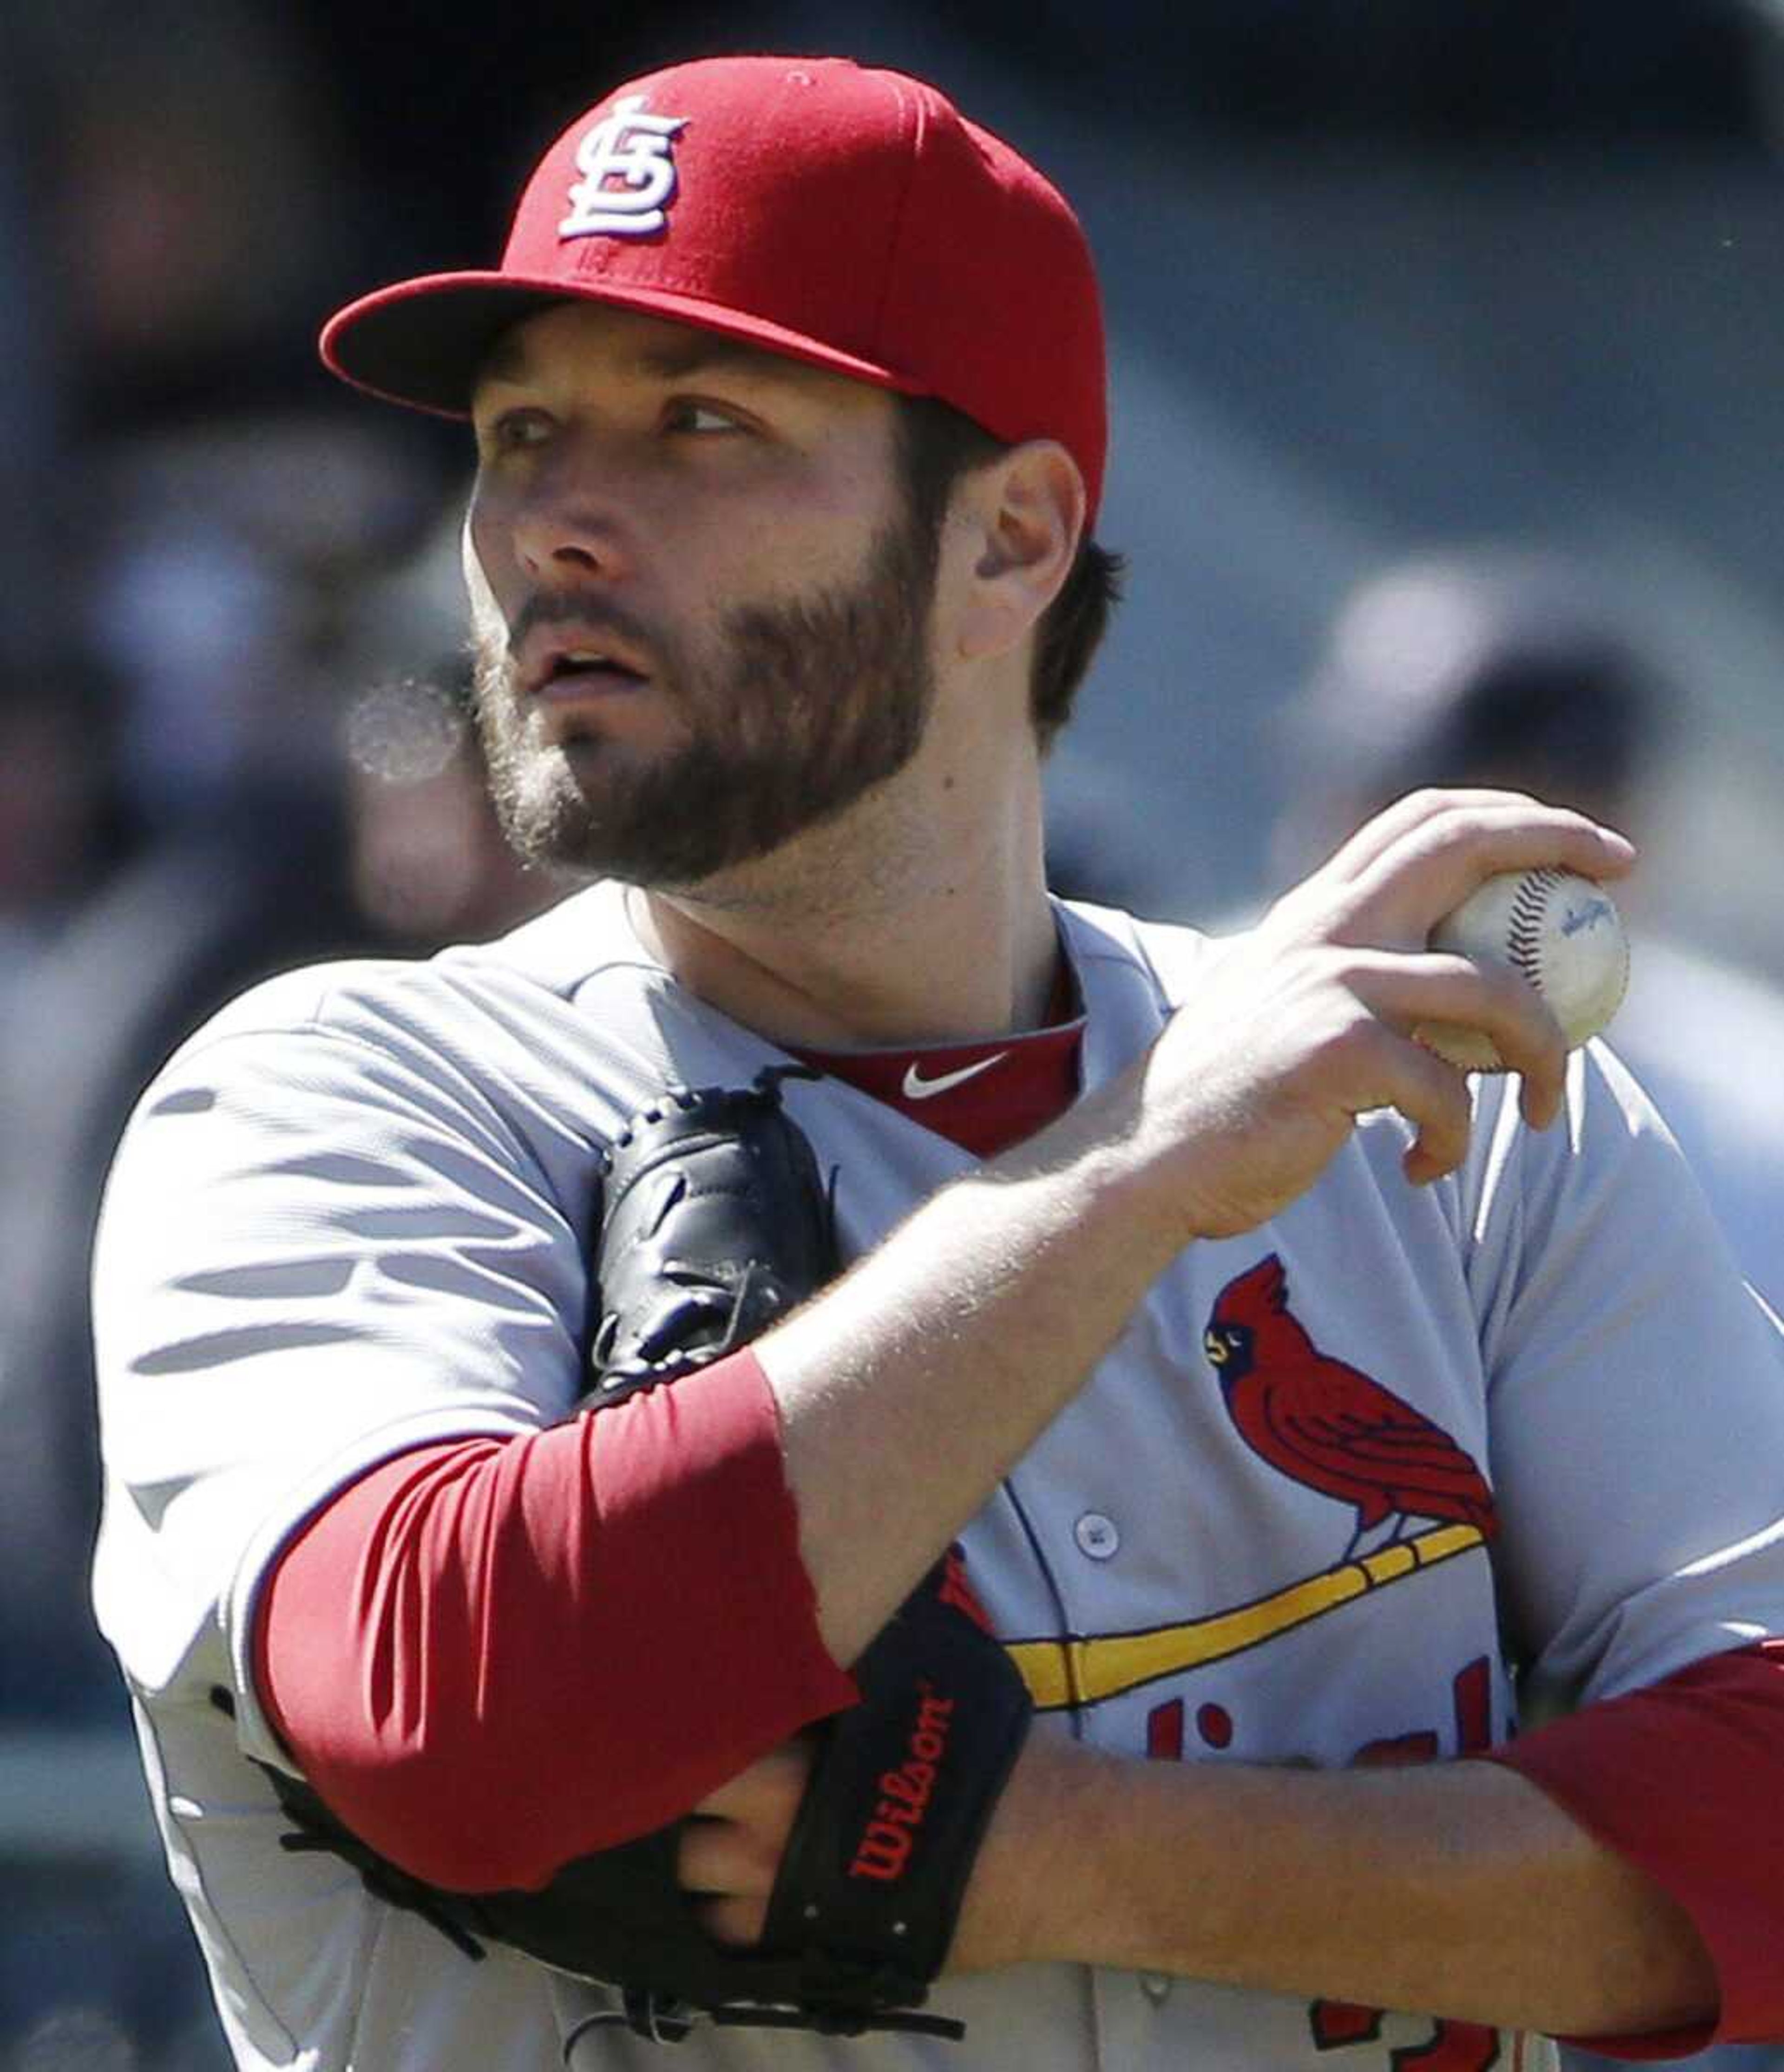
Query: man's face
[701, 614]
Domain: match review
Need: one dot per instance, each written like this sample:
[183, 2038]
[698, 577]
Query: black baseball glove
[714, 1221]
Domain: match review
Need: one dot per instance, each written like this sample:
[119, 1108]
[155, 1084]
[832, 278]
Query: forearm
[908, 1390]
[1456, 1890]
[432, 1628]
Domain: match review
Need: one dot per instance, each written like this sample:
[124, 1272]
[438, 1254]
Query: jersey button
[1096, 1535]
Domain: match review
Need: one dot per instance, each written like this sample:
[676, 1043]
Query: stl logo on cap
[634, 147]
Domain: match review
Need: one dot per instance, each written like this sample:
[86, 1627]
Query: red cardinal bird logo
[1326, 1424]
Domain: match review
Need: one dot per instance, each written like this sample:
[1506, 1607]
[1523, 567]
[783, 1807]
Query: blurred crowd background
[1448, 341]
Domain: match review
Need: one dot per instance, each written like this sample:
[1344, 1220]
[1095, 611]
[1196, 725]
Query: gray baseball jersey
[346, 1220]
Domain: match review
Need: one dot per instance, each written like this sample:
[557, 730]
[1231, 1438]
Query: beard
[812, 702]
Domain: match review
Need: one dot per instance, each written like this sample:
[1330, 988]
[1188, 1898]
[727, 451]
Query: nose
[571, 521]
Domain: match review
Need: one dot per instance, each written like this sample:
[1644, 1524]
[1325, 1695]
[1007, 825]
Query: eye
[509, 431]
[687, 414]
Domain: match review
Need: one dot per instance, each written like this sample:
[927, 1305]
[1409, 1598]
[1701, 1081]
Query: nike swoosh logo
[917, 1088]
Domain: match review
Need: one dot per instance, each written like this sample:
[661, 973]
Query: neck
[892, 925]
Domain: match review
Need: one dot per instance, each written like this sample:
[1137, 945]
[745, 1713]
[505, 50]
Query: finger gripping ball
[1561, 931]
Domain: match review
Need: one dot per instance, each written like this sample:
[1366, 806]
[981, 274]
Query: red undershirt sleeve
[492, 1656]
[1685, 1779]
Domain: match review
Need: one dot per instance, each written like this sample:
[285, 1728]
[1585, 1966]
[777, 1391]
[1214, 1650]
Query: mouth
[577, 660]
[583, 672]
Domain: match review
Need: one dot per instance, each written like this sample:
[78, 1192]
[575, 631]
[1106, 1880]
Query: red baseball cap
[850, 217]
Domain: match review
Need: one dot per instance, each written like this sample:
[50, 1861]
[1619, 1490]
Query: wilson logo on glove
[884, 1849]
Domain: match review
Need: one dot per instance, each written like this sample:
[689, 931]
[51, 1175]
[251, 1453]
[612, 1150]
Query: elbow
[499, 1797]
[447, 1818]
[1656, 1981]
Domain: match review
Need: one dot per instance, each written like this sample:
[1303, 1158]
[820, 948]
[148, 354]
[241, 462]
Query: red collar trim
[984, 1096]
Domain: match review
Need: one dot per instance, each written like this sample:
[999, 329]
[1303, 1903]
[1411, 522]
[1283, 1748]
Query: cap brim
[424, 343]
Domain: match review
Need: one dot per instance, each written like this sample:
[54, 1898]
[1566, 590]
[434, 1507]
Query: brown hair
[937, 444]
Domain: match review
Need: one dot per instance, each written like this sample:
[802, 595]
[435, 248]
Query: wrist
[1032, 1890]
[1111, 1162]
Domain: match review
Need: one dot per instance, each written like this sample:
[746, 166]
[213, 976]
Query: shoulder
[1605, 1187]
[535, 1047]
[423, 1008]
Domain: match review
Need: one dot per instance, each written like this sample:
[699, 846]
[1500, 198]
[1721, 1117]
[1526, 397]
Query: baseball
[1561, 931]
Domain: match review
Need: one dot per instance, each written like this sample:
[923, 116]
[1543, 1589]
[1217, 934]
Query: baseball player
[1301, 1413]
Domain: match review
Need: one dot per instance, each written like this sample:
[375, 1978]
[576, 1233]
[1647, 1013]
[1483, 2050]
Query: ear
[1022, 516]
